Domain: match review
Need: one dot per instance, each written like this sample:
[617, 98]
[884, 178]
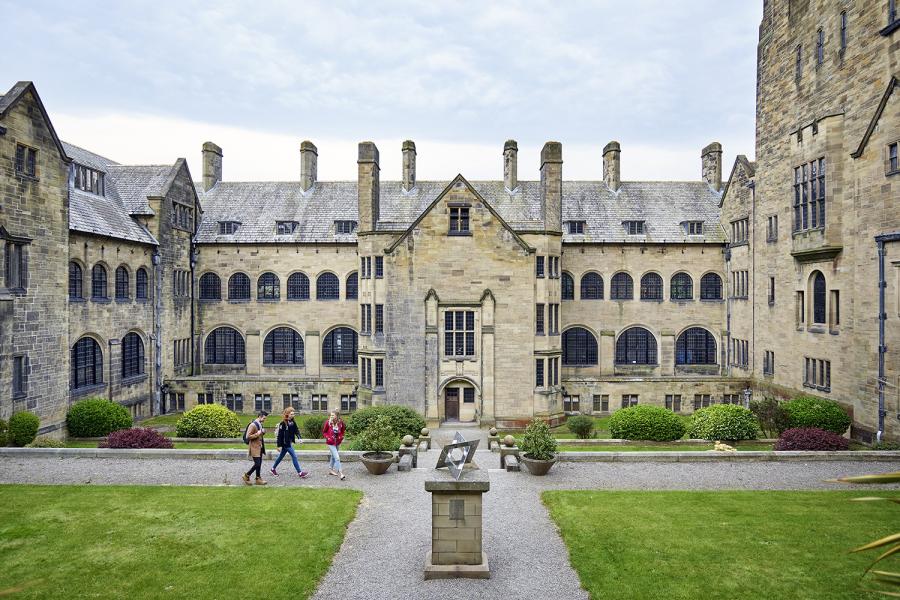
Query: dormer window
[89, 180]
[576, 226]
[694, 227]
[633, 227]
[228, 227]
[285, 227]
[459, 220]
[344, 226]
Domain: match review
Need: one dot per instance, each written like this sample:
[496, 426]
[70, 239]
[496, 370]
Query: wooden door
[451, 404]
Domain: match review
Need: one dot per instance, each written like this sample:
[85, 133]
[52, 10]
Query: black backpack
[247, 428]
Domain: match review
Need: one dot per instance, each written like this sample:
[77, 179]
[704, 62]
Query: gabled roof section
[134, 183]
[88, 158]
[459, 179]
[895, 82]
[12, 97]
[749, 169]
[104, 215]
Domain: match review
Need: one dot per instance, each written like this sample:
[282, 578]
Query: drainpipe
[752, 185]
[193, 253]
[157, 332]
[727, 365]
[882, 317]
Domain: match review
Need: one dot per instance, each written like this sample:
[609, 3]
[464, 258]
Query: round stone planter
[537, 467]
[377, 463]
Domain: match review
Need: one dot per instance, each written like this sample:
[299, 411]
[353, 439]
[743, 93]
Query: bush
[404, 420]
[136, 437]
[645, 422]
[886, 446]
[97, 417]
[209, 421]
[811, 438]
[47, 442]
[809, 411]
[312, 426]
[379, 436]
[582, 426]
[3, 429]
[723, 422]
[772, 417]
[538, 443]
[23, 428]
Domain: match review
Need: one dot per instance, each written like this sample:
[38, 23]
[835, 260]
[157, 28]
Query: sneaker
[343, 476]
[273, 472]
[259, 481]
[332, 473]
[303, 474]
[246, 479]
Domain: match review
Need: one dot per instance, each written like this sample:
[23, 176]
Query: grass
[171, 420]
[686, 545]
[204, 446]
[168, 542]
[638, 447]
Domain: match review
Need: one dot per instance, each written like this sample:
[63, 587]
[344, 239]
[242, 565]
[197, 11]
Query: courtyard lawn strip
[207, 446]
[637, 447]
[169, 542]
[687, 545]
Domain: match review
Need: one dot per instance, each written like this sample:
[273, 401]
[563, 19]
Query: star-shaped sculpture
[456, 454]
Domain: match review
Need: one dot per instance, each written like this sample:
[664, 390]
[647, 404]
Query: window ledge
[19, 396]
[269, 300]
[771, 240]
[681, 300]
[327, 299]
[657, 300]
[819, 328]
[210, 300]
[100, 300]
[142, 300]
[238, 300]
[89, 389]
[712, 300]
[621, 299]
[76, 300]
[890, 28]
[284, 365]
[834, 331]
[298, 299]
[27, 177]
[134, 379]
[123, 300]
[738, 244]
[891, 173]
[459, 233]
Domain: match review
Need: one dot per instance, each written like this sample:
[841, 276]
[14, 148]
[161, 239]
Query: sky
[146, 82]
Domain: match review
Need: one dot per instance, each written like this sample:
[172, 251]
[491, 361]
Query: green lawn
[206, 446]
[734, 545]
[169, 542]
[637, 447]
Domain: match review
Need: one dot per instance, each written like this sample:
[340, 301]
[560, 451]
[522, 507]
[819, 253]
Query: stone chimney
[612, 173]
[309, 158]
[368, 186]
[551, 186]
[711, 158]
[510, 164]
[212, 165]
[409, 165]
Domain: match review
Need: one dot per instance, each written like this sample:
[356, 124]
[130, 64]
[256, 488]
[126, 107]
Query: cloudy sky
[147, 82]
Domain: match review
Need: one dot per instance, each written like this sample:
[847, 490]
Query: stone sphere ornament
[408, 440]
[425, 431]
[509, 441]
[492, 431]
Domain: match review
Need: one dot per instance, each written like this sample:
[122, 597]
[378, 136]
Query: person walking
[333, 432]
[256, 446]
[287, 433]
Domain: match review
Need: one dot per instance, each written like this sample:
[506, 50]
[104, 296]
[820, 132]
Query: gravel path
[384, 551]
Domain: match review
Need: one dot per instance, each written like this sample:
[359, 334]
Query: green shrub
[209, 421]
[582, 426]
[404, 420]
[809, 411]
[379, 436]
[886, 446]
[723, 422]
[772, 417]
[538, 443]
[23, 428]
[47, 442]
[97, 417]
[644, 422]
[3, 429]
[312, 426]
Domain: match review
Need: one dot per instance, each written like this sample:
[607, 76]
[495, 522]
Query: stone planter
[537, 467]
[377, 463]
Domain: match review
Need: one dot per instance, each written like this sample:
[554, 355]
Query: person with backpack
[287, 433]
[333, 432]
[253, 437]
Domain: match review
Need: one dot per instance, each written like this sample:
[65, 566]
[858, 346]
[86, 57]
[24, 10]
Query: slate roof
[664, 206]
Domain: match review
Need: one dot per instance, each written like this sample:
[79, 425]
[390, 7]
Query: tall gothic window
[87, 363]
[132, 356]
[283, 346]
[459, 333]
[695, 346]
[76, 281]
[140, 284]
[568, 287]
[225, 346]
[121, 283]
[352, 285]
[819, 297]
[579, 347]
[98, 282]
[636, 346]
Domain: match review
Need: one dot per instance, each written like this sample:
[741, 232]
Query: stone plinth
[456, 509]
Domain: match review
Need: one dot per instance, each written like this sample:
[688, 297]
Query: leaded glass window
[225, 346]
[621, 287]
[283, 346]
[651, 287]
[579, 347]
[132, 356]
[636, 346]
[327, 287]
[238, 287]
[591, 286]
[298, 287]
[695, 346]
[339, 347]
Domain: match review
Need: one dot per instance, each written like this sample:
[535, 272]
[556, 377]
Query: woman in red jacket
[333, 432]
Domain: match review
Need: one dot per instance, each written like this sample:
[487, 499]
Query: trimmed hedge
[811, 438]
[209, 421]
[644, 422]
[47, 442]
[23, 428]
[97, 417]
[404, 420]
[312, 426]
[582, 426]
[3, 429]
[809, 411]
[723, 422]
[136, 437]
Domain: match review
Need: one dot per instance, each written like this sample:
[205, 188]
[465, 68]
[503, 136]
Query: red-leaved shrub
[811, 438]
[136, 437]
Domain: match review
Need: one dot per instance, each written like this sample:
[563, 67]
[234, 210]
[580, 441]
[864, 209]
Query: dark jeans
[257, 465]
[287, 450]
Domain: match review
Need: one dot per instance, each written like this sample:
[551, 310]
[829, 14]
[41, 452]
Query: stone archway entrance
[451, 404]
[460, 400]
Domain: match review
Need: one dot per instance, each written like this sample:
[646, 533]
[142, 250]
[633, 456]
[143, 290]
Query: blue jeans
[287, 450]
[334, 461]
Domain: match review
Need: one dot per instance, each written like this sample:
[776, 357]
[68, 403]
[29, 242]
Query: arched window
[283, 346]
[98, 282]
[298, 287]
[621, 287]
[696, 346]
[818, 297]
[682, 287]
[568, 287]
[140, 284]
[268, 287]
[351, 286]
[225, 346]
[76, 281]
[210, 287]
[121, 283]
[132, 356]
[327, 287]
[579, 347]
[651, 287]
[339, 347]
[591, 287]
[636, 346]
[238, 287]
[711, 287]
[87, 363]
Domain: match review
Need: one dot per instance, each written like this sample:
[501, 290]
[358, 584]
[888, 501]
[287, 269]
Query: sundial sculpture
[456, 454]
